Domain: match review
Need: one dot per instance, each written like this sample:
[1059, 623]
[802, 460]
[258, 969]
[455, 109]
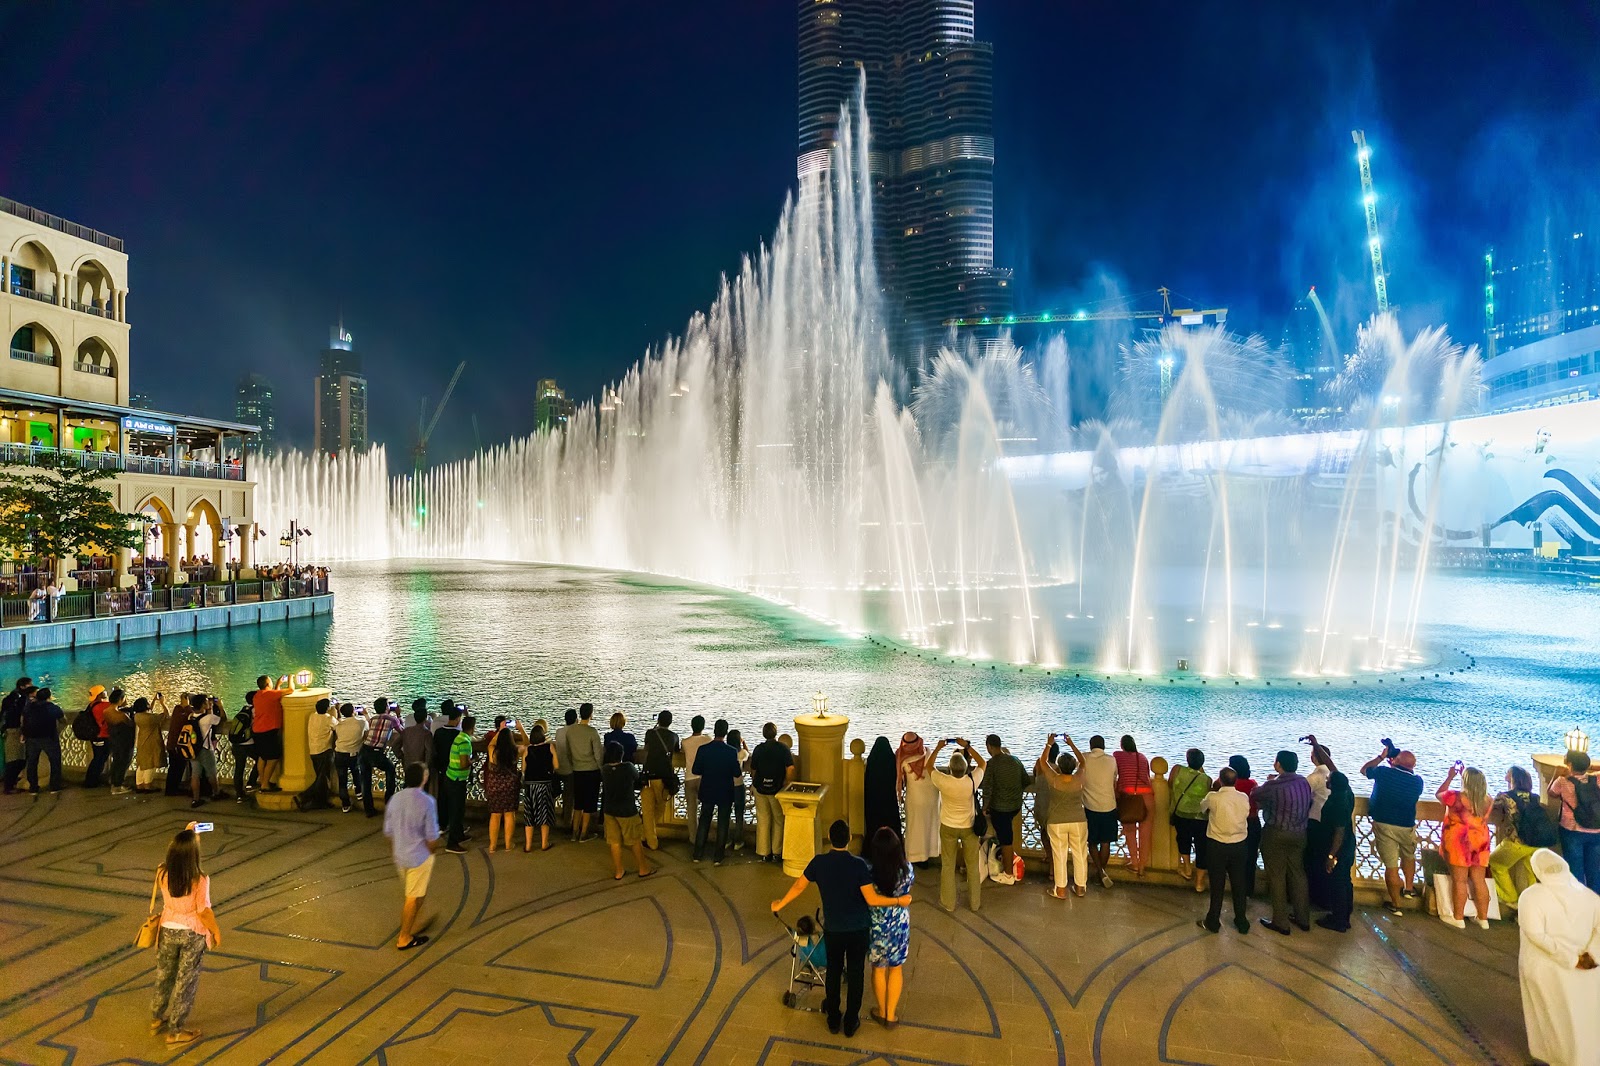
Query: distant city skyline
[267, 187]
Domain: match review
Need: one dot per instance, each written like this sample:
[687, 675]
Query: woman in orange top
[188, 928]
[1464, 842]
[1134, 794]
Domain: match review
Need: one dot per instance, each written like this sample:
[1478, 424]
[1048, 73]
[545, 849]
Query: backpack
[84, 725]
[1586, 809]
[1534, 827]
[238, 728]
[188, 739]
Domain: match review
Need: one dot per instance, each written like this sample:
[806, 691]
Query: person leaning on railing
[1522, 827]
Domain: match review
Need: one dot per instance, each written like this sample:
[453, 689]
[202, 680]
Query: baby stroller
[808, 959]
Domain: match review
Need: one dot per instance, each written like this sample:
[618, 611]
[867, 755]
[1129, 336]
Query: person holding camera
[1464, 843]
[1393, 809]
[958, 811]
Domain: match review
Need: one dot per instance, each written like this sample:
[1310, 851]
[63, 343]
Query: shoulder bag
[151, 926]
[980, 823]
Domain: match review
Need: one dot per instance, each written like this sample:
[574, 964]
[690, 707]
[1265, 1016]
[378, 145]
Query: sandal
[156, 1026]
[415, 942]
[183, 1036]
[647, 873]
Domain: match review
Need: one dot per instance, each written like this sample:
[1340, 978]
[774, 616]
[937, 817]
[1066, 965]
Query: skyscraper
[551, 408]
[340, 402]
[929, 101]
[253, 406]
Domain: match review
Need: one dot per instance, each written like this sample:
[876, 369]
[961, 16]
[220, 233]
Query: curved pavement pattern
[543, 958]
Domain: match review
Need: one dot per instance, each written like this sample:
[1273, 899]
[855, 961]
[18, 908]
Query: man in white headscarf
[1559, 921]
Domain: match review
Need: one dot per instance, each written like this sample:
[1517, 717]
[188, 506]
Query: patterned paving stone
[544, 958]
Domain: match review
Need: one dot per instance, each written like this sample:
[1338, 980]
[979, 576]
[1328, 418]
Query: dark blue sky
[544, 189]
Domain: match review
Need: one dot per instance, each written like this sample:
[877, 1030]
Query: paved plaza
[543, 958]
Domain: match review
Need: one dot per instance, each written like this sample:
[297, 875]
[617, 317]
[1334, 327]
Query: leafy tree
[52, 506]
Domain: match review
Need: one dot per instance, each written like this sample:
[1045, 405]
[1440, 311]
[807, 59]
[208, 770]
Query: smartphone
[203, 827]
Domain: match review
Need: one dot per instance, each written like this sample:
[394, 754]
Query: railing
[15, 610]
[34, 294]
[133, 464]
[92, 309]
[45, 218]
[42, 358]
[94, 368]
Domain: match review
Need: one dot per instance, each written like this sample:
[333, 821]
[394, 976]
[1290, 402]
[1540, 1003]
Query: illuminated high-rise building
[551, 408]
[929, 101]
[253, 405]
[340, 400]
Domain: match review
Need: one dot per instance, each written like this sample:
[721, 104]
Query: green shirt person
[460, 766]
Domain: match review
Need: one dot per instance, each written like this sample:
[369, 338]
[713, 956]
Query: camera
[1389, 749]
[203, 827]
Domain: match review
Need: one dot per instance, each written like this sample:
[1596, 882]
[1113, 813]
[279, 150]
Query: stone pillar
[1548, 766]
[124, 573]
[802, 831]
[1163, 838]
[296, 776]
[822, 760]
[855, 789]
[191, 540]
[247, 539]
[171, 545]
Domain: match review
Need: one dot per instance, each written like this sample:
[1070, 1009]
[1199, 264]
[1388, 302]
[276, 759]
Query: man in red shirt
[267, 731]
[99, 748]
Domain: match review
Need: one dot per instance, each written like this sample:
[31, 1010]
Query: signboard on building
[135, 424]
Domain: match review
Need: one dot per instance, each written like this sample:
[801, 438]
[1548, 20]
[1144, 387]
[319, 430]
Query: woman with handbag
[1190, 784]
[184, 930]
[1134, 793]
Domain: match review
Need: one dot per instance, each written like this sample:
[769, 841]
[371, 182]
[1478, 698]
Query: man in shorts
[1396, 788]
[266, 730]
[1004, 782]
[411, 822]
[624, 823]
[1099, 775]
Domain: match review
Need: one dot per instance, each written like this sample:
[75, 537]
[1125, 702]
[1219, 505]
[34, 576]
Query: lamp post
[291, 540]
[147, 523]
[819, 705]
[1577, 740]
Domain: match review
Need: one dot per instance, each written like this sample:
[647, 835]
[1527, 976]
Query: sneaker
[717, 862]
[1454, 923]
[197, 803]
[1483, 923]
[1407, 893]
[345, 809]
[456, 849]
[1394, 911]
[239, 798]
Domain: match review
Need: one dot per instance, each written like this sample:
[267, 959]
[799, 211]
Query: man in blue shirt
[845, 884]
[411, 822]
[717, 766]
[1396, 787]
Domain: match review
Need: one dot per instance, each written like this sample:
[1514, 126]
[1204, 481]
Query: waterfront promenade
[543, 958]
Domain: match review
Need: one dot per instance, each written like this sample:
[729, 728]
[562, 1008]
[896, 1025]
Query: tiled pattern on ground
[543, 958]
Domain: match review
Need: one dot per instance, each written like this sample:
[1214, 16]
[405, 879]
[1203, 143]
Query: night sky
[545, 189]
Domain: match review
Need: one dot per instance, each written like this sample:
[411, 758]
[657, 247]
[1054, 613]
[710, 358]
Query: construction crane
[1187, 316]
[1369, 201]
[419, 454]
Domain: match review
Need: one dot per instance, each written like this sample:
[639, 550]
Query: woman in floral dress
[1464, 842]
[891, 926]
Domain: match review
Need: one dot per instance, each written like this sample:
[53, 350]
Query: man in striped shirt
[383, 732]
[1285, 804]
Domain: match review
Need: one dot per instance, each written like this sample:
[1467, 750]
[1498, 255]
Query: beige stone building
[64, 390]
